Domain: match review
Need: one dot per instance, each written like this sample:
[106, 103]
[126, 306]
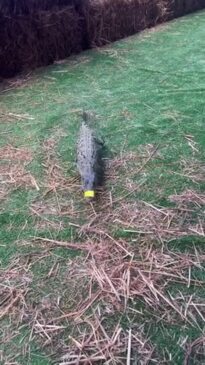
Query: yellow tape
[89, 194]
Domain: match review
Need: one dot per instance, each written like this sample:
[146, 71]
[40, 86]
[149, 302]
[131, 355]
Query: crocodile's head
[88, 186]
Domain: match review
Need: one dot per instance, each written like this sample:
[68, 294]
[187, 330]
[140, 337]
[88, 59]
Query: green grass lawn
[147, 93]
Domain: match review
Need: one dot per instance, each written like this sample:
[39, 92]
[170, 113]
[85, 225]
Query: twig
[129, 346]
[77, 246]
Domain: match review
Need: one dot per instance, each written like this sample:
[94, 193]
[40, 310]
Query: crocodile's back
[86, 151]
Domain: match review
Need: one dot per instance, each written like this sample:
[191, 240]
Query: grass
[148, 97]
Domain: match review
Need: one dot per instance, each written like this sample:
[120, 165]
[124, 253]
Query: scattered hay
[112, 275]
[142, 219]
[3, 193]
[56, 179]
[9, 152]
[56, 206]
[109, 281]
[6, 116]
[57, 200]
[192, 169]
[159, 223]
[192, 144]
[196, 352]
[13, 172]
[45, 224]
[43, 212]
[19, 82]
[58, 189]
[126, 167]
[97, 346]
[15, 281]
[41, 208]
[118, 275]
[14, 176]
[188, 197]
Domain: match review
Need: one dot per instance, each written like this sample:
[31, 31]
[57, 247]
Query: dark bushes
[37, 32]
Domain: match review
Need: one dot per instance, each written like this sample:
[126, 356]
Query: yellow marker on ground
[89, 194]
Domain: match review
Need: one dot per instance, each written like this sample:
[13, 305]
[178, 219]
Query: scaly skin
[87, 158]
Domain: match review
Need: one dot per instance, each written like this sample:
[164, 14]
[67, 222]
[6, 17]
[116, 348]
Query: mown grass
[148, 89]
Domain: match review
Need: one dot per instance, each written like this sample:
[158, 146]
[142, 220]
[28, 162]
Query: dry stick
[88, 360]
[155, 208]
[129, 347]
[33, 180]
[77, 246]
[32, 329]
[21, 116]
[111, 285]
[198, 311]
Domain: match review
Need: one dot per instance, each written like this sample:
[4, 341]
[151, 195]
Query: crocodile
[89, 158]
